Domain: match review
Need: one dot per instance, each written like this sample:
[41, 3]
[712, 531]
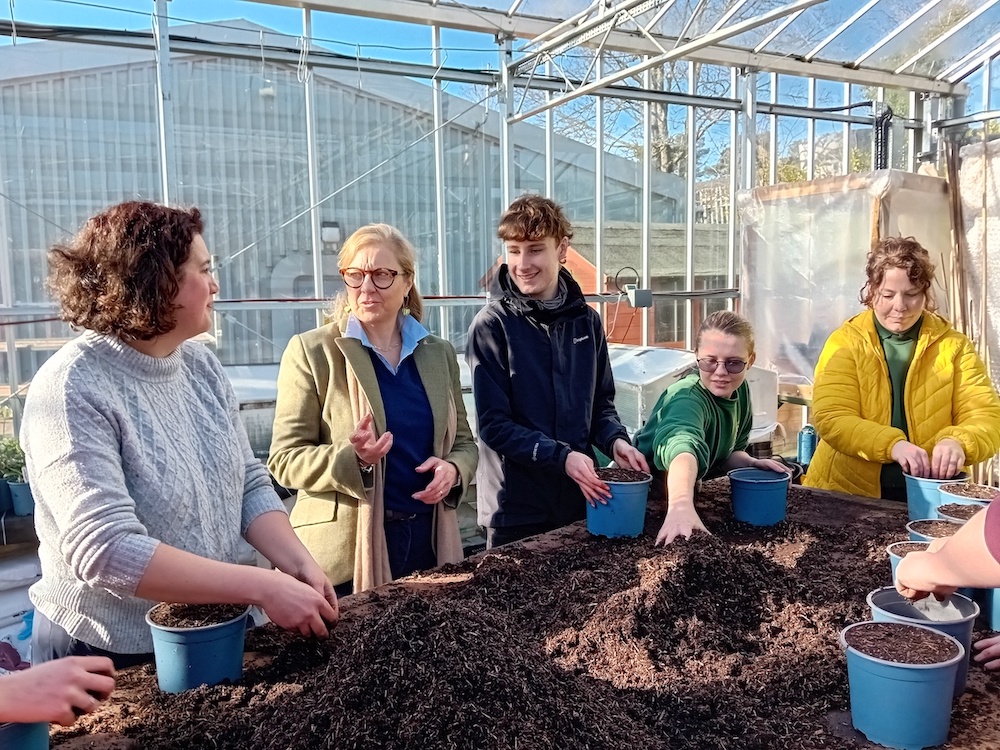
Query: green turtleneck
[898, 349]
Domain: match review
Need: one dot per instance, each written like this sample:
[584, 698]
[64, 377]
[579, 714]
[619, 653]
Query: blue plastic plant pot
[918, 536]
[189, 657]
[21, 498]
[625, 512]
[760, 497]
[905, 706]
[894, 557]
[888, 605]
[954, 519]
[947, 496]
[923, 495]
[6, 503]
[25, 736]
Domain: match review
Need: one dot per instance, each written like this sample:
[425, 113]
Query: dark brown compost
[727, 641]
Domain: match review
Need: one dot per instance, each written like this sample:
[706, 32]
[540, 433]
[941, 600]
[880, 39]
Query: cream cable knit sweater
[125, 451]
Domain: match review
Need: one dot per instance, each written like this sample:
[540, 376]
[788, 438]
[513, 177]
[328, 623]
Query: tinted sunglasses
[711, 364]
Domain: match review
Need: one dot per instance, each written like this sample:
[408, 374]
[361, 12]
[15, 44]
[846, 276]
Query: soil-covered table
[571, 641]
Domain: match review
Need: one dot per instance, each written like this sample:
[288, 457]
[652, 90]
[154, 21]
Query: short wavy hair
[120, 274]
[899, 252]
[534, 217]
[387, 236]
[729, 323]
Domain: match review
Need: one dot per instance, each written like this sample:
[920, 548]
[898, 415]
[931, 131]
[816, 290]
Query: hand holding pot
[628, 456]
[580, 468]
[912, 458]
[56, 691]
[769, 464]
[947, 459]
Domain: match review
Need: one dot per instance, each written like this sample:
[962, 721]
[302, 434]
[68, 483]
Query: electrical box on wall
[639, 297]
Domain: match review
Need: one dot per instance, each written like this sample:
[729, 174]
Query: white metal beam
[947, 35]
[580, 33]
[897, 31]
[524, 27]
[678, 52]
[527, 27]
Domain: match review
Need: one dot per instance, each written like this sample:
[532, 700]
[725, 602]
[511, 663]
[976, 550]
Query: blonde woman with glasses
[700, 426]
[370, 426]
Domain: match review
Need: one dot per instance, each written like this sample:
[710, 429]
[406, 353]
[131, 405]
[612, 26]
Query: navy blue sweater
[543, 387]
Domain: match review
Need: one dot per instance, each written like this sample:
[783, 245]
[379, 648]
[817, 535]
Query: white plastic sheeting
[979, 187]
[804, 248]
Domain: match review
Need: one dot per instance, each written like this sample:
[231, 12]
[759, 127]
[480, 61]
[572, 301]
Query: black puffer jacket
[543, 387]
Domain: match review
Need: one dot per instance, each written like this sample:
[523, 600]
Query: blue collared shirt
[411, 330]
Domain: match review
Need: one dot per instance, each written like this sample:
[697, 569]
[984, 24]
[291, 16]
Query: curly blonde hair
[899, 252]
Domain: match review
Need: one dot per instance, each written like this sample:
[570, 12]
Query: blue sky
[340, 33]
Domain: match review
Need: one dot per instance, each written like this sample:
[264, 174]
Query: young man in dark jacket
[542, 383]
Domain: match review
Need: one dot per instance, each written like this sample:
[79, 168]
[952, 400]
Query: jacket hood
[504, 287]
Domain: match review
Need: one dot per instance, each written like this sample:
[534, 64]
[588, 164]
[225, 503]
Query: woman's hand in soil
[912, 458]
[56, 691]
[311, 574]
[294, 605]
[682, 521]
[989, 652]
[627, 456]
[580, 468]
[444, 476]
[947, 459]
[369, 449]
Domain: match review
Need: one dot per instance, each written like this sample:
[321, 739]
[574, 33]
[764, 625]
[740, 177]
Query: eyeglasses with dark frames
[711, 364]
[382, 278]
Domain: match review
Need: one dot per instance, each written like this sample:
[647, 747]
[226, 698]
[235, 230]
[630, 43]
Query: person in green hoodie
[700, 426]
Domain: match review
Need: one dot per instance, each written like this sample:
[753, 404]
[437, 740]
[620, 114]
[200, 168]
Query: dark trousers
[409, 543]
[50, 641]
[500, 535]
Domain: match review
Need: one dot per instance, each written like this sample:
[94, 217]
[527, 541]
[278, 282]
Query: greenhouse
[710, 155]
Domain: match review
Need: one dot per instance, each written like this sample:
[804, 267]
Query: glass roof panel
[753, 9]
[815, 24]
[958, 45]
[557, 10]
[801, 33]
[677, 16]
[926, 29]
[753, 37]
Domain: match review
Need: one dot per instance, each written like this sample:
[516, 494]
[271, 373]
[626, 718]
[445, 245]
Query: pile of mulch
[568, 641]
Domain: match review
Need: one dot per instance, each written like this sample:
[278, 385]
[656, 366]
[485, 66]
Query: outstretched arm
[56, 691]
[682, 519]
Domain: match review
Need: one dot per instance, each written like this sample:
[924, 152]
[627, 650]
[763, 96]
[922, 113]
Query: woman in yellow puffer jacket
[897, 388]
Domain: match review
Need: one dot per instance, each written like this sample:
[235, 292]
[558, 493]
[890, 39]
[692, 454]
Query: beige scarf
[371, 554]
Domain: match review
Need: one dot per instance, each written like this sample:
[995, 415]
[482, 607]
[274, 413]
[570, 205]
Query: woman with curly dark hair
[144, 481]
[897, 388]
